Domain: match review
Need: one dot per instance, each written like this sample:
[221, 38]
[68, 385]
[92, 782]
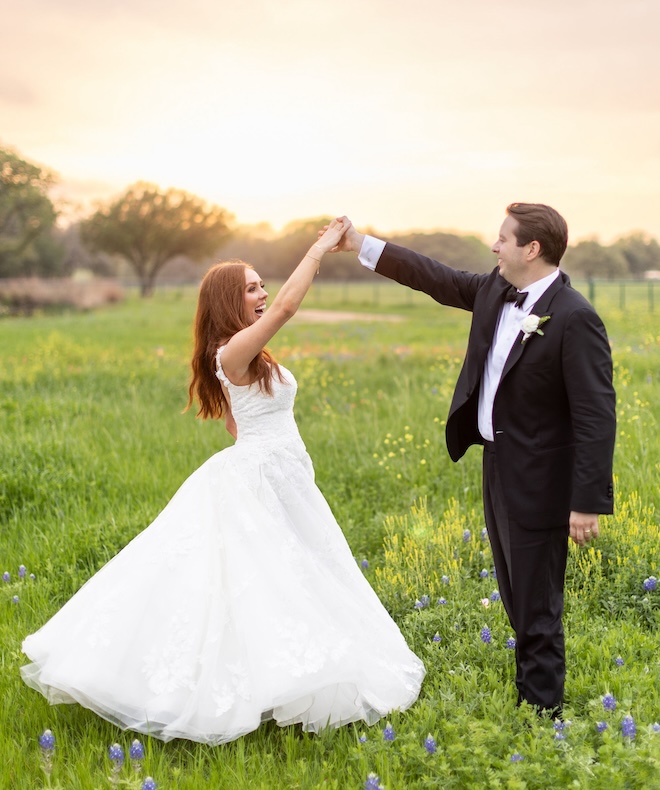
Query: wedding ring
[587, 532]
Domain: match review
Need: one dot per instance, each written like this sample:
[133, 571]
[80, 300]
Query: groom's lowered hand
[583, 527]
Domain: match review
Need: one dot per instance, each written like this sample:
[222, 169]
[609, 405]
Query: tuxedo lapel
[541, 308]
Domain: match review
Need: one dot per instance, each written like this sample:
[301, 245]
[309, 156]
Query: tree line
[151, 232]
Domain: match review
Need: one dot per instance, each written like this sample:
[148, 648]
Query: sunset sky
[418, 114]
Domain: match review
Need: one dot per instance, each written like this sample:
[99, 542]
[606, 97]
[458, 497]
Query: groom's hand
[351, 241]
[583, 527]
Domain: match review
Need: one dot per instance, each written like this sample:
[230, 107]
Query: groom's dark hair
[538, 222]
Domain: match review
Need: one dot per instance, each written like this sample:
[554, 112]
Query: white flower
[532, 325]
[485, 602]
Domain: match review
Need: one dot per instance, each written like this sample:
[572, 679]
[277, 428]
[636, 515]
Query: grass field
[93, 444]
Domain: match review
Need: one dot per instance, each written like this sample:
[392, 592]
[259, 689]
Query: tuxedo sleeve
[587, 363]
[443, 283]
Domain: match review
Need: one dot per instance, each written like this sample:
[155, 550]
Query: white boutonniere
[532, 325]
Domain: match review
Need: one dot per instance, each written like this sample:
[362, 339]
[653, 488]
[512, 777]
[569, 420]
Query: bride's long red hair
[220, 315]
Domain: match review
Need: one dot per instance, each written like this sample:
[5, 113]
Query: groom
[536, 391]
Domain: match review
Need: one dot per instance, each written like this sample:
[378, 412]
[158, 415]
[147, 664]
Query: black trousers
[530, 565]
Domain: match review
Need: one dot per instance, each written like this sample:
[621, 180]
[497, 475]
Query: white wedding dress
[241, 602]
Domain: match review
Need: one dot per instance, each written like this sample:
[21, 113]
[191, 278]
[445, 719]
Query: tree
[642, 252]
[590, 259]
[27, 216]
[148, 227]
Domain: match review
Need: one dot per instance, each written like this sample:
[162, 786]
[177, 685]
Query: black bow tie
[513, 295]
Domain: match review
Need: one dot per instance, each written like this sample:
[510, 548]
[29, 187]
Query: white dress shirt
[508, 329]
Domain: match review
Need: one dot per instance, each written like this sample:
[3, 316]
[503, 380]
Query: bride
[242, 601]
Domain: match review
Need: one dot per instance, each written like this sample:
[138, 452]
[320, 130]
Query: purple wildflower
[495, 596]
[32, 576]
[511, 643]
[362, 738]
[655, 727]
[422, 602]
[373, 783]
[442, 601]
[437, 637]
[149, 784]
[485, 635]
[601, 726]
[15, 599]
[6, 576]
[364, 565]
[517, 758]
[136, 753]
[619, 661]
[116, 754]
[609, 702]
[628, 728]
[650, 584]
[484, 574]
[429, 744]
[484, 534]
[445, 579]
[388, 732]
[47, 741]
[22, 570]
[466, 535]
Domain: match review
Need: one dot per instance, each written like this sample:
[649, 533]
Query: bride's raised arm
[244, 346]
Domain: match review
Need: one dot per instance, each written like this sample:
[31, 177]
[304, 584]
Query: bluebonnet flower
[32, 576]
[619, 661]
[116, 754]
[442, 601]
[511, 643]
[650, 584]
[466, 535]
[560, 736]
[422, 602]
[149, 784]
[6, 576]
[601, 726]
[364, 564]
[22, 570]
[362, 738]
[494, 573]
[429, 744]
[495, 596]
[47, 741]
[628, 728]
[437, 637]
[484, 534]
[517, 758]
[655, 727]
[484, 574]
[388, 732]
[485, 635]
[136, 752]
[559, 726]
[15, 599]
[609, 703]
[373, 783]
[445, 579]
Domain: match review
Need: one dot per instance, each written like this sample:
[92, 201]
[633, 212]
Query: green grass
[93, 444]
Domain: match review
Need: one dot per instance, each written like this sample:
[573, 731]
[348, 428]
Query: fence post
[592, 290]
[651, 295]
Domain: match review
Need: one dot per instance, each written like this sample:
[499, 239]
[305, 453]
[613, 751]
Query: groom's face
[510, 257]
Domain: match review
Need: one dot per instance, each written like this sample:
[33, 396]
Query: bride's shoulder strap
[219, 372]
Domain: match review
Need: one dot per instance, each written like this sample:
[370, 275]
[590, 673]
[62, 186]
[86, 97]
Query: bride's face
[254, 296]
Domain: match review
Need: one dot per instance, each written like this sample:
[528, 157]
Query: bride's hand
[350, 240]
[330, 236]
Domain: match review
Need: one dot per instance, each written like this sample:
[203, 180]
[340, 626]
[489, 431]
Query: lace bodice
[262, 418]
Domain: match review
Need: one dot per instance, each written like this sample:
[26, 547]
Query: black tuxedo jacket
[554, 416]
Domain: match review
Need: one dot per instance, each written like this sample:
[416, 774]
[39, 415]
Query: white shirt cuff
[370, 252]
